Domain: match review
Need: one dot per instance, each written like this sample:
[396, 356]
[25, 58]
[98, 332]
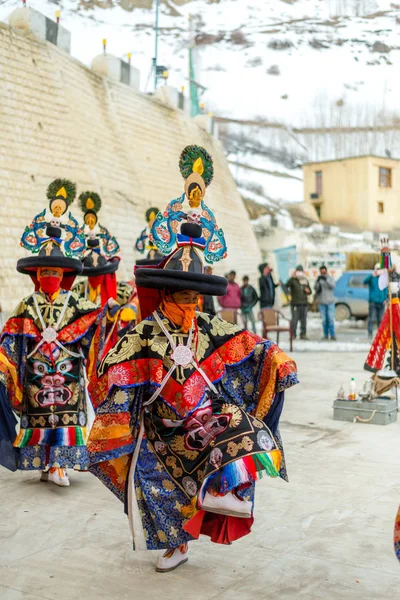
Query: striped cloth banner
[62, 436]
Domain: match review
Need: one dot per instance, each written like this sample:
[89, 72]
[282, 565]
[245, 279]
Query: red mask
[50, 285]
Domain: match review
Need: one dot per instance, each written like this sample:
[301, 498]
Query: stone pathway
[327, 534]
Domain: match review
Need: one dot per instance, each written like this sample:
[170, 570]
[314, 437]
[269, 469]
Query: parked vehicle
[351, 296]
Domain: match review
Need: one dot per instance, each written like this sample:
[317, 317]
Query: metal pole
[190, 64]
[156, 46]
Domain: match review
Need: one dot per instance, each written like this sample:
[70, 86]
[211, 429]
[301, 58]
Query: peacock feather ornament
[197, 169]
[90, 203]
[143, 241]
[61, 193]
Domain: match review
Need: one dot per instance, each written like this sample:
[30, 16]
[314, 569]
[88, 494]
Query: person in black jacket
[249, 299]
[267, 286]
[299, 289]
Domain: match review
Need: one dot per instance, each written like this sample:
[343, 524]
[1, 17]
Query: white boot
[228, 505]
[59, 477]
[171, 559]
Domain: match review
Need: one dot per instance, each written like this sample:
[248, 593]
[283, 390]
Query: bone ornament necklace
[182, 355]
[50, 334]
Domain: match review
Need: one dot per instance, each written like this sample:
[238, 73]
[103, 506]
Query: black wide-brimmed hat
[153, 259]
[95, 263]
[50, 255]
[183, 269]
[148, 262]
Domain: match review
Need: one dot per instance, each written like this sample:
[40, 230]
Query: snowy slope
[296, 63]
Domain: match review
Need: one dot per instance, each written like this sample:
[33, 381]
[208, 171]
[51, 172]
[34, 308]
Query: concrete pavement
[327, 534]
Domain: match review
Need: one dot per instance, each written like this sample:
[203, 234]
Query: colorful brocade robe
[190, 434]
[45, 382]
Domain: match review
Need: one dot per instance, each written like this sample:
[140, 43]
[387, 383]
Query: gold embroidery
[120, 397]
[158, 344]
[40, 421]
[177, 472]
[178, 446]
[203, 344]
[205, 317]
[161, 536]
[231, 409]
[246, 444]
[128, 346]
[249, 388]
[165, 412]
[168, 485]
[222, 328]
[201, 473]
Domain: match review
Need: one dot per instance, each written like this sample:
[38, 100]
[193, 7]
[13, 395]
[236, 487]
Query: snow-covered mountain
[292, 80]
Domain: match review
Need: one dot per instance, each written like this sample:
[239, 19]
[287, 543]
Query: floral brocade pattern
[47, 390]
[63, 457]
[240, 364]
[160, 502]
[397, 535]
[137, 360]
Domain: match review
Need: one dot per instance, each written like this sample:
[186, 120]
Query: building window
[318, 183]
[385, 177]
[381, 208]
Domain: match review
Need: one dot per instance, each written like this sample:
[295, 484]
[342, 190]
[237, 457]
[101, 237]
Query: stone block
[110, 66]
[30, 20]
[207, 123]
[171, 96]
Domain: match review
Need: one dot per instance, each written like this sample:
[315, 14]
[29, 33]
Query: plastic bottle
[353, 389]
[341, 395]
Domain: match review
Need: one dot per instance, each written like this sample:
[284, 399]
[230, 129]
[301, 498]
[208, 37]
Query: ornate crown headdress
[90, 202]
[62, 188]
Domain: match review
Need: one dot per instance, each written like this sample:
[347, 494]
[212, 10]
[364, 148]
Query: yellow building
[361, 192]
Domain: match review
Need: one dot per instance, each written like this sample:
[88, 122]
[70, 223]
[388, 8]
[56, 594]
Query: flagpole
[386, 264]
[156, 45]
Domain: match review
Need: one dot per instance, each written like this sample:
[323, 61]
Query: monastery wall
[60, 119]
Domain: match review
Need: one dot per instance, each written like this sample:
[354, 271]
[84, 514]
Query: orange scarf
[179, 314]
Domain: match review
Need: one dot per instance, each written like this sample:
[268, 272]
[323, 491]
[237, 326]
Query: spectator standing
[232, 298]
[394, 275]
[267, 286]
[249, 298]
[208, 301]
[299, 289]
[324, 288]
[377, 300]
